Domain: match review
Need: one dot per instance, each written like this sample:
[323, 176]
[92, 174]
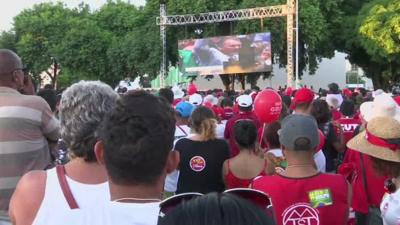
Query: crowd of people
[91, 155]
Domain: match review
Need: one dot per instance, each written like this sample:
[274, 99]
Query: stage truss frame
[288, 10]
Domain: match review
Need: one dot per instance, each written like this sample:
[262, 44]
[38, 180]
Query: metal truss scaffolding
[287, 10]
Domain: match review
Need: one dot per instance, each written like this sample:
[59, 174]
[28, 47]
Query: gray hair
[83, 107]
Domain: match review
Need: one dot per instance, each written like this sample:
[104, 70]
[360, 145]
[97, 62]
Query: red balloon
[268, 106]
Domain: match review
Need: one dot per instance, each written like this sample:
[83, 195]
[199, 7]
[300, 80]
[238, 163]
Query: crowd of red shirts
[351, 167]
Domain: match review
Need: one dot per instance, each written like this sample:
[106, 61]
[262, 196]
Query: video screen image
[226, 54]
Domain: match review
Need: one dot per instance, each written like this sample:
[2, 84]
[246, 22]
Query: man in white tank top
[40, 198]
[135, 147]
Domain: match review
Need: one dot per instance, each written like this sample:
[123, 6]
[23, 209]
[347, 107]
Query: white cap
[244, 101]
[196, 99]
[211, 99]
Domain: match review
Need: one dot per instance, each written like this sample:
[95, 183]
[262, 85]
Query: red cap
[347, 92]
[397, 100]
[303, 95]
[288, 91]
[191, 89]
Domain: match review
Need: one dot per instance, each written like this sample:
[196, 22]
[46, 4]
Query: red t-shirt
[348, 126]
[336, 115]
[231, 181]
[318, 200]
[227, 113]
[228, 133]
[375, 183]
[176, 101]
[218, 111]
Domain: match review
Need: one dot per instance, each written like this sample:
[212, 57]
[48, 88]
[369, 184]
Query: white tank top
[390, 208]
[87, 196]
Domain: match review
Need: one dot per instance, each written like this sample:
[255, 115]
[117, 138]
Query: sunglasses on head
[256, 197]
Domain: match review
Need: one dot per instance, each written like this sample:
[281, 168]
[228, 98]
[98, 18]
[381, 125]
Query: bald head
[9, 61]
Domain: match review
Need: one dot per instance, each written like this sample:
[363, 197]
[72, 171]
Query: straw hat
[380, 139]
[382, 106]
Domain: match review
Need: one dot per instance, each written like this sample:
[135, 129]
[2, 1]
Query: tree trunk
[242, 80]
[377, 81]
[226, 80]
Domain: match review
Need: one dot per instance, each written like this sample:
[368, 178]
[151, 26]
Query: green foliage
[120, 40]
[380, 29]
[84, 49]
[8, 40]
[370, 35]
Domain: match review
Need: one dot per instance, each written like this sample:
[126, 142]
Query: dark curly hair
[214, 208]
[167, 94]
[320, 111]
[138, 136]
[245, 133]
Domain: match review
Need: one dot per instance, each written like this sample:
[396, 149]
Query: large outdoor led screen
[226, 55]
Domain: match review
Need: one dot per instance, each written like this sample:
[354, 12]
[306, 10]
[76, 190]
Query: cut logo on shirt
[197, 163]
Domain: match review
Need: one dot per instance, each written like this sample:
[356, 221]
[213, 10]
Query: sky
[10, 8]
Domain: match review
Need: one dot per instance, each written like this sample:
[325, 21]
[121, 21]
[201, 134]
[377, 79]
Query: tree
[318, 19]
[369, 35]
[40, 31]
[84, 50]
[120, 40]
[379, 33]
[8, 40]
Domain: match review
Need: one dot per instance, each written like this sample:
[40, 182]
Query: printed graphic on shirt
[349, 127]
[300, 214]
[320, 198]
[197, 163]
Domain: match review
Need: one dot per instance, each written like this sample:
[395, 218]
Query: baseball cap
[196, 99]
[211, 99]
[303, 95]
[185, 109]
[244, 101]
[299, 133]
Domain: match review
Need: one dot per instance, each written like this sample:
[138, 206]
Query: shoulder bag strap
[364, 176]
[60, 169]
[180, 128]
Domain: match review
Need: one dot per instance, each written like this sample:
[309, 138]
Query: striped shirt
[26, 123]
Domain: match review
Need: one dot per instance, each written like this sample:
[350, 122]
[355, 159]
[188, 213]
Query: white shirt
[320, 161]
[114, 213]
[319, 158]
[54, 203]
[390, 208]
[220, 129]
[181, 131]
[171, 180]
